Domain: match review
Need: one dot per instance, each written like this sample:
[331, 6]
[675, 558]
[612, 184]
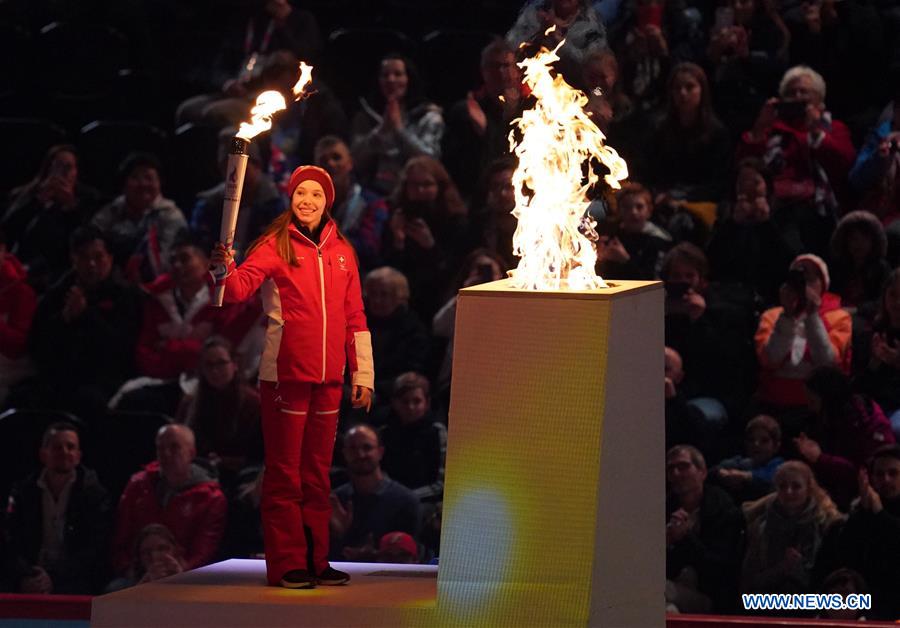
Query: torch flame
[267, 105]
[557, 139]
[304, 80]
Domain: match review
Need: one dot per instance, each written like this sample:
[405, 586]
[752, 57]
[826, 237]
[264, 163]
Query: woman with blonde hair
[785, 530]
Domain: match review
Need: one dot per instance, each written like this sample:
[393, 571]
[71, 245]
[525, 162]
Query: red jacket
[167, 345]
[793, 172]
[17, 306]
[195, 515]
[316, 322]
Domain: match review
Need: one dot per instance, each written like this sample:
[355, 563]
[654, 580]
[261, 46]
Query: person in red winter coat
[179, 316]
[17, 306]
[307, 272]
[176, 492]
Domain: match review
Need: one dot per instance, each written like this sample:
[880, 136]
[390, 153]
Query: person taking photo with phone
[809, 154]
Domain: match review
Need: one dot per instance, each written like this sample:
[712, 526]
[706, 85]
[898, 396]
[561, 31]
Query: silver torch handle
[234, 186]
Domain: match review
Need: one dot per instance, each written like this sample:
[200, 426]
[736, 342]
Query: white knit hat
[816, 261]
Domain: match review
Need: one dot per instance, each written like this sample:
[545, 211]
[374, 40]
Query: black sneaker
[298, 579]
[332, 577]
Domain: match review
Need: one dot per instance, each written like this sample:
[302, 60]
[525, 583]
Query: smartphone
[676, 290]
[796, 281]
[791, 110]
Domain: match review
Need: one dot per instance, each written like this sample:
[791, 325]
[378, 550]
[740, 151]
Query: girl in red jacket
[316, 327]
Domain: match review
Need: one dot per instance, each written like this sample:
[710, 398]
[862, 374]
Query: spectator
[399, 338]
[751, 476]
[44, 211]
[141, 224]
[427, 233]
[785, 531]
[644, 55]
[571, 20]
[881, 377]
[690, 146]
[870, 541]
[847, 429]
[179, 315]
[711, 337]
[371, 504]
[844, 582]
[809, 154]
[414, 441]
[17, 306]
[223, 412]
[175, 492]
[393, 125]
[156, 555]
[809, 329]
[478, 126]
[58, 521]
[746, 248]
[858, 265]
[398, 548]
[704, 531]
[494, 224]
[360, 214]
[630, 246]
[876, 174]
[248, 44]
[480, 266]
[77, 323]
[261, 201]
[747, 52]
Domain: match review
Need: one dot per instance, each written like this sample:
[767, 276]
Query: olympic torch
[267, 105]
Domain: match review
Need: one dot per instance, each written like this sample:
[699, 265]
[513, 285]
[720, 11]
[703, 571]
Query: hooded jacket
[194, 513]
[316, 323]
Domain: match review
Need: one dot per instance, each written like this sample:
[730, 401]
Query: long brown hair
[280, 229]
[449, 202]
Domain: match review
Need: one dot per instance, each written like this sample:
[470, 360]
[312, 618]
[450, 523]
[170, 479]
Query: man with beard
[870, 540]
[371, 504]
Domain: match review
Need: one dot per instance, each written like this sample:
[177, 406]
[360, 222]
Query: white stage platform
[233, 593]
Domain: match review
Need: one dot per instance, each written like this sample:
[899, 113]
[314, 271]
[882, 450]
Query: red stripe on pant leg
[315, 463]
[282, 521]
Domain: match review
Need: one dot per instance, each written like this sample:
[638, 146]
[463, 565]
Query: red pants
[299, 423]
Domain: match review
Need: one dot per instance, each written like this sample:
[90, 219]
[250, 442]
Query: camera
[796, 281]
[791, 110]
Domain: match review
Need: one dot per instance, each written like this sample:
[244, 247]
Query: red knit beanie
[313, 173]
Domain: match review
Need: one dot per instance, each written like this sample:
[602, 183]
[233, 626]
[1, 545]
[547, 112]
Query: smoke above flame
[558, 142]
[271, 102]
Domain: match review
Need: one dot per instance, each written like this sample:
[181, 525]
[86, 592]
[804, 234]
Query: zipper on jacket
[324, 314]
[318, 248]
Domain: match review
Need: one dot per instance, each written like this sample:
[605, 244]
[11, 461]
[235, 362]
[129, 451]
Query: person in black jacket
[399, 338]
[870, 540]
[704, 536]
[58, 521]
[415, 443]
[85, 329]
